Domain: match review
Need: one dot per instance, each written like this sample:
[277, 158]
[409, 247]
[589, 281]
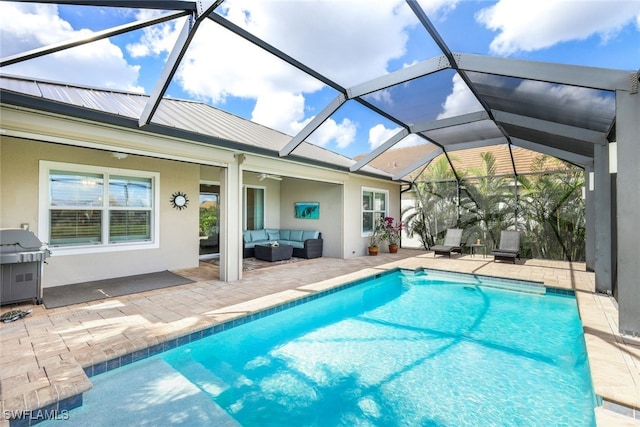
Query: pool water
[405, 349]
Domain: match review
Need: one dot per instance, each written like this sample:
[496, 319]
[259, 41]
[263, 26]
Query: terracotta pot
[373, 250]
[393, 248]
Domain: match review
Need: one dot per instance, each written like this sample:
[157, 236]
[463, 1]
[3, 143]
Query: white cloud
[379, 134]
[158, 39]
[282, 110]
[570, 96]
[383, 97]
[539, 24]
[343, 133]
[460, 101]
[336, 38]
[28, 26]
[433, 8]
[219, 65]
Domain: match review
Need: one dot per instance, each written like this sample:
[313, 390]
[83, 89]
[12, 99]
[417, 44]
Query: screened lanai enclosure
[575, 199]
[546, 204]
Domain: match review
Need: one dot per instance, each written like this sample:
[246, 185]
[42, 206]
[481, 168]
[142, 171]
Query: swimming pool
[405, 348]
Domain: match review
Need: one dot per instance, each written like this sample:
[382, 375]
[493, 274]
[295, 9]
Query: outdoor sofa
[306, 243]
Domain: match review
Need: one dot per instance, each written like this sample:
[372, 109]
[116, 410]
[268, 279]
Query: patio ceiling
[556, 109]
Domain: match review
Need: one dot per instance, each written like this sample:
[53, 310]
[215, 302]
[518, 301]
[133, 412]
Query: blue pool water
[404, 349]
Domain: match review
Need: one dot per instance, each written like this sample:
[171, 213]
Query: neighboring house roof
[192, 118]
[523, 159]
[396, 160]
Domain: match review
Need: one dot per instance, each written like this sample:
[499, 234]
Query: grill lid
[18, 240]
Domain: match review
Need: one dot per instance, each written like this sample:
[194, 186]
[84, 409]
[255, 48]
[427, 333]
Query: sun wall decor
[179, 200]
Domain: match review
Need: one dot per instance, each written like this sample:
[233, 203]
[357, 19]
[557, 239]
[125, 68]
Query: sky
[349, 41]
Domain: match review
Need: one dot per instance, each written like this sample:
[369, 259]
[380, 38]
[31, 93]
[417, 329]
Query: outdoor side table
[273, 253]
[476, 246]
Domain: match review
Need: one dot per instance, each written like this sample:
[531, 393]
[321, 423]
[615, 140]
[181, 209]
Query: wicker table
[273, 253]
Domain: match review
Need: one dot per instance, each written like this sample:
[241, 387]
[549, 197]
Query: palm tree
[547, 206]
[435, 208]
[554, 211]
[487, 202]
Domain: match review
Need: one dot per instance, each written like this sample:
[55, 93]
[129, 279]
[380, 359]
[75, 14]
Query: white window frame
[105, 246]
[384, 211]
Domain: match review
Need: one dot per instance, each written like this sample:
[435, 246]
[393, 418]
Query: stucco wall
[178, 242]
[355, 243]
[330, 222]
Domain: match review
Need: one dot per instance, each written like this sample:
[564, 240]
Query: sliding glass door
[254, 202]
[209, 219]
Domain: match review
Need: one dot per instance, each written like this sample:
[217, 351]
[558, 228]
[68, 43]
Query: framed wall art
[307, 210]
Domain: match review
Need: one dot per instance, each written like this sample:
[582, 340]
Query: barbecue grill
[22, 256]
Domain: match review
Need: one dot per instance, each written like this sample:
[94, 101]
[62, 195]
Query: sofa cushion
[295, 235]
[309, 234]
[284, 234]
[294, 243]
[273, 234]
[246, 235]
[257, 235]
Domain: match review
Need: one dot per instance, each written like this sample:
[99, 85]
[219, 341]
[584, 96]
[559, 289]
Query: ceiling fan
[264, 176]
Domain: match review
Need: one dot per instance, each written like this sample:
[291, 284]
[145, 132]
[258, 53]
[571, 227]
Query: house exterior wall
[177, 246]
[31, 138]
[331, 221]
[355, 243]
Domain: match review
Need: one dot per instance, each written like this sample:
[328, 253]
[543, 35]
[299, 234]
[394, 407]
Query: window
[98, 207]
[374, 206]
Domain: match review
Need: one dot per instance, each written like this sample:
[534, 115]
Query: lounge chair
[509, 248]
[451, 243]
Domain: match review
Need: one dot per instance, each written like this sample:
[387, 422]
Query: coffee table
[273, 253]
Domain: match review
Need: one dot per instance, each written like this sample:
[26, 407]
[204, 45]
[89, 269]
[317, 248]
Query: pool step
[532, 288]
[489, 282]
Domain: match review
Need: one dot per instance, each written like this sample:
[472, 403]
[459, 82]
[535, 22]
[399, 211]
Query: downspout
[402, 191]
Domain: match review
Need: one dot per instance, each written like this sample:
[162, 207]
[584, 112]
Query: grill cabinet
[22, 257]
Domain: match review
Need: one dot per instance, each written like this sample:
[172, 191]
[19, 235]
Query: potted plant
[390, 232]
[375, 237]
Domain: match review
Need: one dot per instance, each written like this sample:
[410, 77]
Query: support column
[590, 218]
[230, 216]
[628, 200]
[602, 202]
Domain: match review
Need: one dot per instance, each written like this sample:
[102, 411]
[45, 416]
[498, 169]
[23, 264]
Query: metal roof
[556, 109]
[200, 122]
